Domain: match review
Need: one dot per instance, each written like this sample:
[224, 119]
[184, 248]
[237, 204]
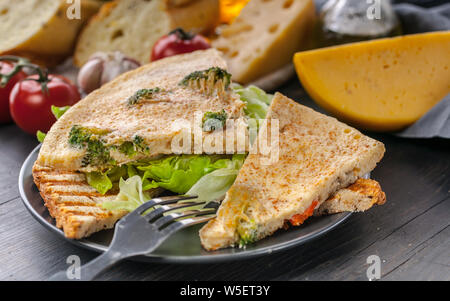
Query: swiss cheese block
[380, 85]
[265, 36]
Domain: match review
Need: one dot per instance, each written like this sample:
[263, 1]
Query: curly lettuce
[208, 177]
[179, 173]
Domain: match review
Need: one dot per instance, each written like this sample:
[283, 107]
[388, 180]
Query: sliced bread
[133, 26]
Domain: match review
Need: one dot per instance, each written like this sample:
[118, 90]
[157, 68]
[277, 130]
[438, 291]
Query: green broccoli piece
[202, 79]
[247, 231]
[130, 148]
[212, 121]
[142, 94]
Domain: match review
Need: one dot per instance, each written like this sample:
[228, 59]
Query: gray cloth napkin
[435, 123]
[416, 19]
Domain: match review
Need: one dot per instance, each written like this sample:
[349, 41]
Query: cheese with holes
[265, 36]
[381, 85]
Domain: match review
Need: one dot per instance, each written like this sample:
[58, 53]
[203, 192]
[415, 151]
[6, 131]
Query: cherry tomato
[5, 68]
[178, 42]
[30, 106]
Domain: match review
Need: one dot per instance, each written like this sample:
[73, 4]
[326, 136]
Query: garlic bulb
[103, 67]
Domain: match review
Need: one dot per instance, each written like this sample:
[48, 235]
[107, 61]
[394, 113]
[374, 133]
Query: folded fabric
[435, 123]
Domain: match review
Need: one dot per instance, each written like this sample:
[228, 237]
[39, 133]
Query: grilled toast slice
[75, 205]
[318, 156]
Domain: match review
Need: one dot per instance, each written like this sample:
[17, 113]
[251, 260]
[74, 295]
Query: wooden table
[410, 233]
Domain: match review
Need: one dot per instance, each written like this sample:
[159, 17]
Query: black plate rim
[85, 244]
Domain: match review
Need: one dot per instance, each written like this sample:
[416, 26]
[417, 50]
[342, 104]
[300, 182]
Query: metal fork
[142, 231]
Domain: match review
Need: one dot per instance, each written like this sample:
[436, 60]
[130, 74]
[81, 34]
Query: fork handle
[91, 269]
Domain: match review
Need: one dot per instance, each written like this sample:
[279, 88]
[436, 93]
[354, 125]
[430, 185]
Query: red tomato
[5, 68]
[178, 42]
[31, 107]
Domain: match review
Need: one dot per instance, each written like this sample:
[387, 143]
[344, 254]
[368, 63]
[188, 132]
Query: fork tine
[164, 209]
[173, 216]
[178, 225]
[160, 201]
[177, 198]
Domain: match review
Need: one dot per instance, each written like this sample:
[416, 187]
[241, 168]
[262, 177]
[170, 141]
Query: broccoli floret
[208, 80]
[79, 136]
[140, 144]
[142, 94]
[212, 121]
[130, 148]
[247, 231]
[97, 153]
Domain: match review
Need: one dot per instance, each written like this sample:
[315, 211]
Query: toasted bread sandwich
[114, 150]
[126, 128]
[318, 156]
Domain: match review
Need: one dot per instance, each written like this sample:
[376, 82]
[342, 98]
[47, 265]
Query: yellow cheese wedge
[380, 85]
[265, 36]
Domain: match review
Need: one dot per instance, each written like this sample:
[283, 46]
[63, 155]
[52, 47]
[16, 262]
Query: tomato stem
[19, 64]
[181, 34]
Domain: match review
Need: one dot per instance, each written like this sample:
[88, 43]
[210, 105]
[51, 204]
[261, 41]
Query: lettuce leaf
[179, 173]
[130, 196]
[103, 181]
[99, 181]
[256, 100]
[209, 187]
[59, 111]
[40, 136]
[214, 185]
[257, 103]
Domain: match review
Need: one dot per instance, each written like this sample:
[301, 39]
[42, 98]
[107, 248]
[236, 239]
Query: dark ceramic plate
[184, 246]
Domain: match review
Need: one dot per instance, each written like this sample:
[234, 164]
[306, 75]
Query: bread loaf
[133, 26]
[40, 29]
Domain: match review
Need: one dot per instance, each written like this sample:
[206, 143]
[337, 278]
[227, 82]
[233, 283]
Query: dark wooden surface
[410, 233]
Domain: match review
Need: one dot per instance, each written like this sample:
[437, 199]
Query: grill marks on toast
[74, 204]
